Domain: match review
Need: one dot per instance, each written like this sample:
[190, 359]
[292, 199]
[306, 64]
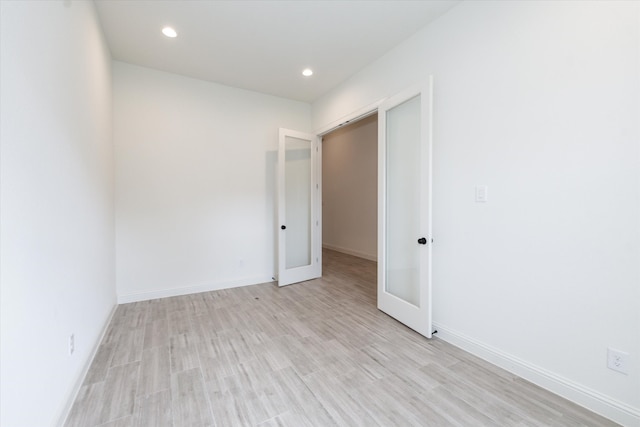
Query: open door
[299, 233]
[404, 207]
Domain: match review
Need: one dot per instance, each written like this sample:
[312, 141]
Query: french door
[299, 232]
[404, 207]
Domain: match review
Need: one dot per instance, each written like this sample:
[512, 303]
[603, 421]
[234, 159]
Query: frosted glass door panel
[404, 206]
[403, 201]
[299, 227]
[298, 202]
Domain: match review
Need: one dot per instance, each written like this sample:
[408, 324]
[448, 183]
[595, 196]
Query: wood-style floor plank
[155, 409]
[190, 403]
[155, 372]
[87, 407]
[119, 392]
[318, 353]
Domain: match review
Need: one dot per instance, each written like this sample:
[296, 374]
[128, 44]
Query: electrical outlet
[618, 360]
[72, 344]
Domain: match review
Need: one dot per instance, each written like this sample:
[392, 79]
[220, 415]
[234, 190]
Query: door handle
[283, 227]
[422, 241]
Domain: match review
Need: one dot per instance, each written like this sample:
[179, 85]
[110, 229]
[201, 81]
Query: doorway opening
[402, 241]
[350, 189]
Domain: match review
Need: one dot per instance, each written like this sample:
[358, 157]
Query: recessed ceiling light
[169, 32]
[307, 72]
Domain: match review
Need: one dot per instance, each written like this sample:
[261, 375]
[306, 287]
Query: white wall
[539, 101]
[195, 182]
[350, 189]
[56, 194]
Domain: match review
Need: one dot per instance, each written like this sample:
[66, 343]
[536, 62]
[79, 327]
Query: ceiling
[263, 45]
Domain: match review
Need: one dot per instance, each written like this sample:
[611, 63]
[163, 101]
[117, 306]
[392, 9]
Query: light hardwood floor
[317, 353]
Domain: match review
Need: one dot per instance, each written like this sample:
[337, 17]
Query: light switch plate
[481, 193]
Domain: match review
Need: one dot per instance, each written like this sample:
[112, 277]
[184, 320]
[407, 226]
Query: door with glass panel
[404, 208]
[299, 228]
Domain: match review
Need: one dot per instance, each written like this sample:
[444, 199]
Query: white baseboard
[193, 289]
[599, 403]
[350, 252]
[64, 414]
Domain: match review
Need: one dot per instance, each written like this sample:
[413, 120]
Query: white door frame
[353, 117]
